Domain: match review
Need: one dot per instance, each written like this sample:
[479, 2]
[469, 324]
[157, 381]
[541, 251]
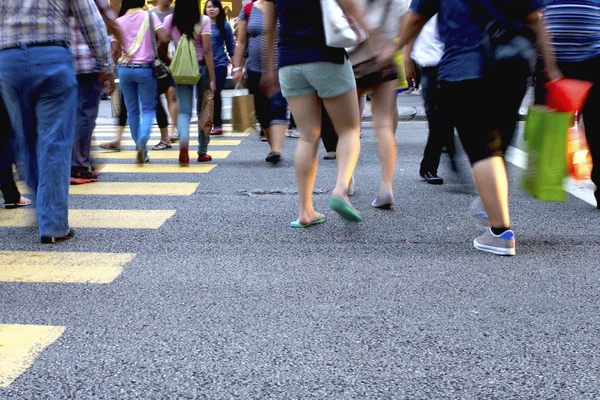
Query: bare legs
[492, 185]
[276, 137]
[383, 101]
[173, 107]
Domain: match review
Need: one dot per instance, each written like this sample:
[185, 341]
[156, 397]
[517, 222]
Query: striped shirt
[85, 62]
[26, 22]
[574, 27]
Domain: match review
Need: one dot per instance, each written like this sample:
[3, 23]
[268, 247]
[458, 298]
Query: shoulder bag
[340, 31]
[160, 68]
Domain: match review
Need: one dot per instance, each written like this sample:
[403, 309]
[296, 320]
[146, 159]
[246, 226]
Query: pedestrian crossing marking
[61, 267]
[155, 155]
[158, 168]
[20, 345]
[213, 143]
[115, 219]
[128, 188]
[110, 134]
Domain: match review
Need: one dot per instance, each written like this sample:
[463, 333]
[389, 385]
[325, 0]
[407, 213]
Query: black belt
[145, 65]
[52, 43]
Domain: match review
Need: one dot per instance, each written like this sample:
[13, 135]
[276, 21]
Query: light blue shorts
[326, 78]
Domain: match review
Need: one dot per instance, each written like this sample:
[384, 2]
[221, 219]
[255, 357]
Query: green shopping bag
[184, 67]
[546, 146]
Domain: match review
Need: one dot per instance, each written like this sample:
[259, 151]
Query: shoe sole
[499, 251]
[78, 181]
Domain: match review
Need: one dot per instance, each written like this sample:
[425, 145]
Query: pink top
[130, 24]
[205, 30]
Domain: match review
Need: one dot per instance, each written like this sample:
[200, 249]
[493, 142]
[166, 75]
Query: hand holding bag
[243, 113]
[340, 31]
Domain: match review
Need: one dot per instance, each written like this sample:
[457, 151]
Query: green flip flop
[345, 210]
[320, 219]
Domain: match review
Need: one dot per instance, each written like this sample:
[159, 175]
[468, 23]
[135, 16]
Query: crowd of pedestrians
[54, 67]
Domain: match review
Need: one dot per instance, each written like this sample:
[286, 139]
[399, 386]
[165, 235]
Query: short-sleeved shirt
[301, 34]
[574, 27]
[130, 24]
[461, 24]
[162, 15]
[255, 34]
[202, 28]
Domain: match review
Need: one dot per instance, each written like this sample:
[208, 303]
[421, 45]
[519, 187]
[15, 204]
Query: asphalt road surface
[192, 286]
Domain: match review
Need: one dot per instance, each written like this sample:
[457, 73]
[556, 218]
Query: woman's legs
[173, 106]
[343, 111]
[162, 121]
[185, 94]
[147, 96]
[307, 111]
[383, 100]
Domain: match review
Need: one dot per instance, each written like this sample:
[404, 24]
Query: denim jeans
[139, 90]
[185, 95]
[8, 187]
[88, 102]
[40, 92]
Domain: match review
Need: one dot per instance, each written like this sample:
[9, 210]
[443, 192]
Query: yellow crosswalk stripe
[158, 168]
[63, 267]
[116, 219]
[155, 155]
[20, 345]
[213, 142]
[128, 188]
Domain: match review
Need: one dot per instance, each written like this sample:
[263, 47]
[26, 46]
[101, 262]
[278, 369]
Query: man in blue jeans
[40, 91]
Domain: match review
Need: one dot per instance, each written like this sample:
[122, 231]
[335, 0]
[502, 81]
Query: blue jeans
[88, 100]
[185, 95]
[40, 92]
[139, 90]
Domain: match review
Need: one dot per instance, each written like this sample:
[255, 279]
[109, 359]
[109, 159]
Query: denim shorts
[326, 78]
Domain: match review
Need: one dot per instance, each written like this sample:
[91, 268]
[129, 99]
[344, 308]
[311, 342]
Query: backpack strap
[248, 10]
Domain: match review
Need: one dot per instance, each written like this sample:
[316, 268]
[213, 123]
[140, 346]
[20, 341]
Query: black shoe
[273, 157]
[432, 178]
[52, 239]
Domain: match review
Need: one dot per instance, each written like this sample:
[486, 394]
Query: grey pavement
[225, 301]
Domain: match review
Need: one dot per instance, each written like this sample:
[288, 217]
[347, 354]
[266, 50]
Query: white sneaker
[292, 133]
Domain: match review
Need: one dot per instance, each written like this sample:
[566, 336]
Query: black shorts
[484, 112]
[375, 78]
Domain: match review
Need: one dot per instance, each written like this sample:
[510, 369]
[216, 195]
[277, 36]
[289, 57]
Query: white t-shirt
[428, 49]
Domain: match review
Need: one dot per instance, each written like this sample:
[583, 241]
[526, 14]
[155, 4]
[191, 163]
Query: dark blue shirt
[301, 35]
[218, 45]
[461, 24]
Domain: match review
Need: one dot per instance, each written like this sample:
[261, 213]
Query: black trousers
[441, 131]
[588, 71]
[7, 183]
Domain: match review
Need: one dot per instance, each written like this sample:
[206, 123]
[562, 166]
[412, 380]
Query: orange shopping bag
[579, 158]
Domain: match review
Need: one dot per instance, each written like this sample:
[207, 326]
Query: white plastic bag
[340, 31]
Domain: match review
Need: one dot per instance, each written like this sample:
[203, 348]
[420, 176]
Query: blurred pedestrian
[223, 48]
[574, 27]
[381, 82]
[310, 72]
[187, 20]
[88, 95]
[137, 78]
[39, 88]
[271, 108]
[424, 55]
[491, 93]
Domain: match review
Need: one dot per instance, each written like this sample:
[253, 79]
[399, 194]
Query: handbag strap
[137, 42]
[152, 34]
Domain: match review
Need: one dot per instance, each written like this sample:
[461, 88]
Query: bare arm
[240, 50]
[409, 64]
[410, 28]
[536, 23]
[209, 59]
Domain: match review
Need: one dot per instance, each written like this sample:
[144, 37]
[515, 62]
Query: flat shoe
[273, 157]
[52, 239]
[110, 146]
[319, 220]
[345, 210]
[162, 146]
[383, 202]
[25, 203]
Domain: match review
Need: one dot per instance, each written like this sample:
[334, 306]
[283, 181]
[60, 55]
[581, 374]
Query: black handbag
[506, 43]
[160, 68]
